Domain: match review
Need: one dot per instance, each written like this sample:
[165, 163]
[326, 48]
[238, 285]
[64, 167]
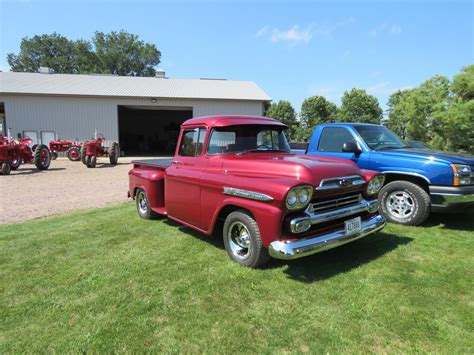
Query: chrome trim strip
[232, 191]
[407, 173]
[335, 183]
[292, 249]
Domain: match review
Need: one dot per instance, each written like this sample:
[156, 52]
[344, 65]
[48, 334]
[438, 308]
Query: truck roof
[230, 120]
[351, 124]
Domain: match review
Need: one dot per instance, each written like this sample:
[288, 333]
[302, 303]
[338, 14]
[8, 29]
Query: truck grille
[334, 203]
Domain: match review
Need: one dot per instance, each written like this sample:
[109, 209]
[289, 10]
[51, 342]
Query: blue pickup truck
[418, 181]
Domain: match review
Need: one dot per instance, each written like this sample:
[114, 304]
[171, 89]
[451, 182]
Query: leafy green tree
[123, 53]
[316, 110]
[358, 106]
[463, 83]
[53, 51]
[284, 111]
[118, 53]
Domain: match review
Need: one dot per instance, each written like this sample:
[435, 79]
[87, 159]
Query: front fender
[268, 216]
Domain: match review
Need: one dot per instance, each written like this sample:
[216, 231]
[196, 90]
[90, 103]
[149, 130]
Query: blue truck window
[332, 139]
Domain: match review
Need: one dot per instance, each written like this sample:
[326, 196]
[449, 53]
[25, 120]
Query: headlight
[298, 197]
[375, 184]
[462, 174]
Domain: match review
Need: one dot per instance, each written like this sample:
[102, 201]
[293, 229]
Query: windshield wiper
[390, 147]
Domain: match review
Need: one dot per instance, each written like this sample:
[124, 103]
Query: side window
[192, 142]
[332, 139]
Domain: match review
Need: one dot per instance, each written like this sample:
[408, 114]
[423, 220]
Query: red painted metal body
[191, 189]
[95, 148]
[11, 150]
[63, 145]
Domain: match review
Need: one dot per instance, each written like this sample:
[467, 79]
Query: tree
[316, 110]
[358, 106]
[463, 83]
[53, 51]
[284, 111]
[118, 53]
[123, 53]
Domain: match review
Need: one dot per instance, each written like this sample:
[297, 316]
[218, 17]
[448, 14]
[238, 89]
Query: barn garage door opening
[150, 130]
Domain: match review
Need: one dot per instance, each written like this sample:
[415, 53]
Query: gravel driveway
[28, 193]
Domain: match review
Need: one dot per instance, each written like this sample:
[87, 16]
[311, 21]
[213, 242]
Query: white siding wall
[77, 117]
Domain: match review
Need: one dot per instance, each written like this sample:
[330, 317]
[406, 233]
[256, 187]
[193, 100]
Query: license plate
[353, 226]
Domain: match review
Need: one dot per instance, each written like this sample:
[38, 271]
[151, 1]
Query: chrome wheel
[239, 240]
[400, 204]
[142, 203]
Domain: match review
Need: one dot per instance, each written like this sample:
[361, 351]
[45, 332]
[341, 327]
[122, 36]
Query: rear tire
[114, 153]
[143, 205]
[74, 154]
[242, 240]
[15, 164]
[42, 157]
[83, 154]
[405, 203]
[5, 168]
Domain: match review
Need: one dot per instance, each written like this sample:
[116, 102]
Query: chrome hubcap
[400, 204]
[142, 203]
[238, 237]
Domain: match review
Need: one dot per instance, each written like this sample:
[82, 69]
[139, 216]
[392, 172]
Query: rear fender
[152, 182]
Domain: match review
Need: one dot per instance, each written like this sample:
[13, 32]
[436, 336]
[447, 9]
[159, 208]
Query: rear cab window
[192, 142]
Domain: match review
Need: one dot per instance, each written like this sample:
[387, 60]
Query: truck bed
[161, 164]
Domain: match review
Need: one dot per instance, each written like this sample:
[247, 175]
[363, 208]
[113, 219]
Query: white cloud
[385, 28]
[293, 35]
[395, 29]
[262, 31]
[384, 88]
[297, 34]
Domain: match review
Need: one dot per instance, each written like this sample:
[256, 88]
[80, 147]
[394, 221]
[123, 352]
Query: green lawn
[105, 280]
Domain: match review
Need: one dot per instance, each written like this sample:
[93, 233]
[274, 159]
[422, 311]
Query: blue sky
[292, 49]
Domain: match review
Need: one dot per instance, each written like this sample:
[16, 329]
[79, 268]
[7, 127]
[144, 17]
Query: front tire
[405, 203]
[91, 162]
[42, 157]
[5, 168]
[242, 240]
[15, 164]
[74, 154]
[143, 205]
[83, 154]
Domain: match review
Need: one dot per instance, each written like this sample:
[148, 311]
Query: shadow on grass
[462, 221]
[323, 265]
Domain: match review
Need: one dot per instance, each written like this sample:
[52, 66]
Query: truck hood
[448, 157]
[307, 168]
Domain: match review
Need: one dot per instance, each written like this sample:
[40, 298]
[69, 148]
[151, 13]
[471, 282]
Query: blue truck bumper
[444, 198]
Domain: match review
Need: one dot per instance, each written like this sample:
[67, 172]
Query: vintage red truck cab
[236, 174]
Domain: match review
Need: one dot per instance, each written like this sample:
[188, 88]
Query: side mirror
[351, 147]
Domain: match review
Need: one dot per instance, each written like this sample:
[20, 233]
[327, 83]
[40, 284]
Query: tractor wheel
[14, 164]
[114, 153]
[5, 168]
[74, 154]
[54, 155]
[42, 157]
[91, 161]
[83, 154]
[33, 148]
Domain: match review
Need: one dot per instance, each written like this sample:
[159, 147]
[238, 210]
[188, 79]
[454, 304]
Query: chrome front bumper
[293, 249]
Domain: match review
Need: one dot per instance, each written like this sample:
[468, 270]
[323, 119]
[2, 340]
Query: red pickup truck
[237, 173]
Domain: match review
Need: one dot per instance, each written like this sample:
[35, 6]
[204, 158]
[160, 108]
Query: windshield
[380, 138]
[247, 138]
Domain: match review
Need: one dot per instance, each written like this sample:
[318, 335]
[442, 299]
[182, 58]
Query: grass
[104, 280]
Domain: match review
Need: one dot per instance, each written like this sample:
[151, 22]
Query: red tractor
[72, 149]
[95, 148]
[13, 153]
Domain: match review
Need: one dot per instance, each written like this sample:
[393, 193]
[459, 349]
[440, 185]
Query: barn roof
[127, 86]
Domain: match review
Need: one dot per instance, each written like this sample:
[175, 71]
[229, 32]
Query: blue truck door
[328, 141]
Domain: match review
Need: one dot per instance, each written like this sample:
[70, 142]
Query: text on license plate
[353, 226]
